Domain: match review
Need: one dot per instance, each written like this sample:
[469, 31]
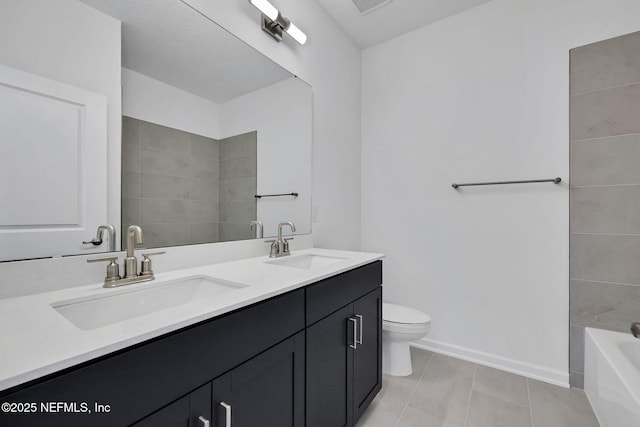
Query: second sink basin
[306, 261]
[123, 304]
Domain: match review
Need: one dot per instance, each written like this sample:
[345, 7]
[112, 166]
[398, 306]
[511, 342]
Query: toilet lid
[400, 314]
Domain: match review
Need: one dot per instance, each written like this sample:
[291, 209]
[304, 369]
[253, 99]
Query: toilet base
[396, 358]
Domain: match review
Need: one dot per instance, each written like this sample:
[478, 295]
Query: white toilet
[400, 325]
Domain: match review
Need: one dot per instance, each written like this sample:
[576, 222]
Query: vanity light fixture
[274, 23]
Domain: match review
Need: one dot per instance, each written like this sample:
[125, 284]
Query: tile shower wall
[170, 185]
[237, 183]
[605, 191]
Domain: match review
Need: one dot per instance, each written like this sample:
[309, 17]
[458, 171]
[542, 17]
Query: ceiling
[169, 41]
[391, 18]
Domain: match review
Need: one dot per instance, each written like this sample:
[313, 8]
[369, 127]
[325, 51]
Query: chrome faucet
[111, 235]
[280, 247]
[134, 235]
[635, 329]
[259, 228]
[113, 279]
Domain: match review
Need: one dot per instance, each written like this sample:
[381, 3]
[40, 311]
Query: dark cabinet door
[344, 363]
[329, 362]
[266, 391]
[190, 411]
[367, 358]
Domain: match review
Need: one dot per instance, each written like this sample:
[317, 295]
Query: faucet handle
[274, 248]
[95, 241]
[113, 259]
[113, 269]
[148, 254]
[145, 269]
[285, 244]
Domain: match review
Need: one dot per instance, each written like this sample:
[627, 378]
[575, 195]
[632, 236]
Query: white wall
[330, 63]
[153, 101]
[74, 44]
[281, 113]
[481, 96]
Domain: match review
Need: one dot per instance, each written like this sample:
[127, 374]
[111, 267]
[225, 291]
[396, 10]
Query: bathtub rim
[627, 373]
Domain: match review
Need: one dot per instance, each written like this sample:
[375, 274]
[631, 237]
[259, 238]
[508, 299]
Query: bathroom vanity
[306, 351]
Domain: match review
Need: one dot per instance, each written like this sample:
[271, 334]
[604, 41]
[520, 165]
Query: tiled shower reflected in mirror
[184, 188]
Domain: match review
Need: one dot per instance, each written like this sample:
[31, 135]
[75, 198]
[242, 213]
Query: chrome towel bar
[556, 180]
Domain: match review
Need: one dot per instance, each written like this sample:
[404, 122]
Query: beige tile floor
[448, 392]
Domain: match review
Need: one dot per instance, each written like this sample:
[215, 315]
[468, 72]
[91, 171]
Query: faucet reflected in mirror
[635, 329]
[131, 276]
[111, 237]
[259, 228]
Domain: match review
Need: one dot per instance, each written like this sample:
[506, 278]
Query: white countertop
[37, 340]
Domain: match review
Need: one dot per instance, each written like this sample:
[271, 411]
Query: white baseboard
[537, 372]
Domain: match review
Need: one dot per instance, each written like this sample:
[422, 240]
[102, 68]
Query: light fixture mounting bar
[274, 23]
[272, 28]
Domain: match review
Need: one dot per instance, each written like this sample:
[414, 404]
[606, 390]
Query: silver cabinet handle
[355, 333]
[227, 410]
[359, 316]
[205, 422]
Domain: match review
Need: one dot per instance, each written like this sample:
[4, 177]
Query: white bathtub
[612, 377]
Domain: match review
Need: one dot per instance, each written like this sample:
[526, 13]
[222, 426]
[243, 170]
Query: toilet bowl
[400, 325]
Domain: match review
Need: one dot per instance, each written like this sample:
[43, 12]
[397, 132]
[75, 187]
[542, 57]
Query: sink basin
[306, 262]
[105, 309]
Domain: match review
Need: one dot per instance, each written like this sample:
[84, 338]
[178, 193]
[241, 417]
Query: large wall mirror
[143, 112]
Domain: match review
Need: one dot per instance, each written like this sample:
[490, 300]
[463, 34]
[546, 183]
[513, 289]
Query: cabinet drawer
[327, 296]
[138, 381]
